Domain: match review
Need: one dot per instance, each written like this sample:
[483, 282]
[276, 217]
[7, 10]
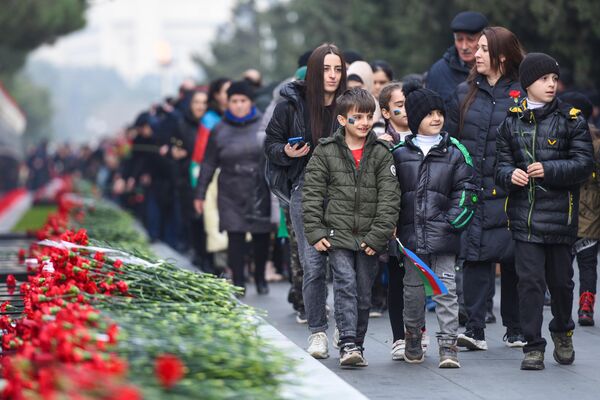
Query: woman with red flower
[479, 106]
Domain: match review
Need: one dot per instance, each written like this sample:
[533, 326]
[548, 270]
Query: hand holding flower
[519, 177]
[535, 170]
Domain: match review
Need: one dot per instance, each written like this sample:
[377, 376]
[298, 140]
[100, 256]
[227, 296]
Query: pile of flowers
[99, 320]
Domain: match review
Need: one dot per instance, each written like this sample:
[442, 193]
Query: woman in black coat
[235, 148]
[479, 106]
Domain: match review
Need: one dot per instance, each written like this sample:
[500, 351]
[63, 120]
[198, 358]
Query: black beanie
[241, 87]
[536, 65]
[420, 102]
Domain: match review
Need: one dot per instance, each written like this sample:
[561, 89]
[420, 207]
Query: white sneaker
[398, 350]
[336, 339]
[317, 345]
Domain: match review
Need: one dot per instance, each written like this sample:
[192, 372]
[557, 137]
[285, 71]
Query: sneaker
[424, 341]
[473, 339]
[490, 318]
[563, 347]
[514, 338]
[301, 317]
[533, 361]
[351, 356]
[586, 309]
[413, 352]
[398, 350]
[376, 312]
[336, 338]
[317, 345]
[364, 362]
[448, 354]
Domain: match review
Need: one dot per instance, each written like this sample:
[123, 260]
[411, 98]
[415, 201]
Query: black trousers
[539, 265]
[237, 251]
[479, 278]
[587, 260]
[395, 297]
[379, 292]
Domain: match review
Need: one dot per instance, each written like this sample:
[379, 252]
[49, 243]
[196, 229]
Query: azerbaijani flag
[433, 284]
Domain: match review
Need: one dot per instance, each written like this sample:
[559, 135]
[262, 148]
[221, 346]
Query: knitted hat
[536, 65]
[241, 87]
[469, 21]
[419, 103]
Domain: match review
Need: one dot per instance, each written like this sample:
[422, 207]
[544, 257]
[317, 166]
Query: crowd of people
[476, 166]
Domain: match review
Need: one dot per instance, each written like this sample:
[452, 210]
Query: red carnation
[22, 255]
[11, 282]
[168, 369]
[514, 94]
[123, 287]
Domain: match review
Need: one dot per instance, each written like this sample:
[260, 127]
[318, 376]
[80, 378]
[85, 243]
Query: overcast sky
[135, 36]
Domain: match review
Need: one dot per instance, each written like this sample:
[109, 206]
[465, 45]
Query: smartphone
[298, 140]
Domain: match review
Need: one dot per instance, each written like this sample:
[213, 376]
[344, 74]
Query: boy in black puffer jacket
[438, 199]
[544, 153]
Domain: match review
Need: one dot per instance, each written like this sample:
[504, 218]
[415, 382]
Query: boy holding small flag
[438, 200]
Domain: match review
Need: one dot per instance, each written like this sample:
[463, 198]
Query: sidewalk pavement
[492, 374]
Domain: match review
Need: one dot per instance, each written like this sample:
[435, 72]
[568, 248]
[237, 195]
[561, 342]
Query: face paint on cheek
[351, 121]
[397, 112]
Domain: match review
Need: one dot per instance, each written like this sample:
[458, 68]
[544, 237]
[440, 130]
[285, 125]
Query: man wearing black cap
[453, 68]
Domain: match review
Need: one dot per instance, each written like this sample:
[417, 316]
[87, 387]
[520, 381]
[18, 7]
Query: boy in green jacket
[351, 202]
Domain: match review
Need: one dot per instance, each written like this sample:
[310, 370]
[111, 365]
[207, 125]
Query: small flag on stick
[433, 284]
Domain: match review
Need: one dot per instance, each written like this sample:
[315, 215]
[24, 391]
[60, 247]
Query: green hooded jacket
[346, 205]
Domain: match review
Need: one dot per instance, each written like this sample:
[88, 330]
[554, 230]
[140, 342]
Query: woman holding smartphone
[235, 148]
[308, 111]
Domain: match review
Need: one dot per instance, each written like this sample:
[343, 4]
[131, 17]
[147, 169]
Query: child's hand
[369, 251]
[322, 245]
[535, 170]
[519, 177]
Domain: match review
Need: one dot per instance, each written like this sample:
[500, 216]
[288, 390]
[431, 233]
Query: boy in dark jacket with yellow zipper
[438, 200]
[350, 203]
[544, 153]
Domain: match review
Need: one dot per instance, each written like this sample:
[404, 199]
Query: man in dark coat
[453, 68]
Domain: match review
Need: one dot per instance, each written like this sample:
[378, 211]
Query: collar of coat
[339, 138]
[504, 83]
[441, 147]
[521, 111]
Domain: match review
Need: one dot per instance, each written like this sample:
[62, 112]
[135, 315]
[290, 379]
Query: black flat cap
[469, 21]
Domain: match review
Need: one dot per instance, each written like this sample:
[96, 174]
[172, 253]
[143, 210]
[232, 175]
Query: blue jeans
[354, 273]
[313, 262]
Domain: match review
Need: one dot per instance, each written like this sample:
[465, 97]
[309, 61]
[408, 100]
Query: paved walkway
[492, 374]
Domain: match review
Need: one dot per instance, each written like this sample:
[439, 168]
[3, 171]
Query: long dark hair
[214, 88]
[501, 43]
[315, 88]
